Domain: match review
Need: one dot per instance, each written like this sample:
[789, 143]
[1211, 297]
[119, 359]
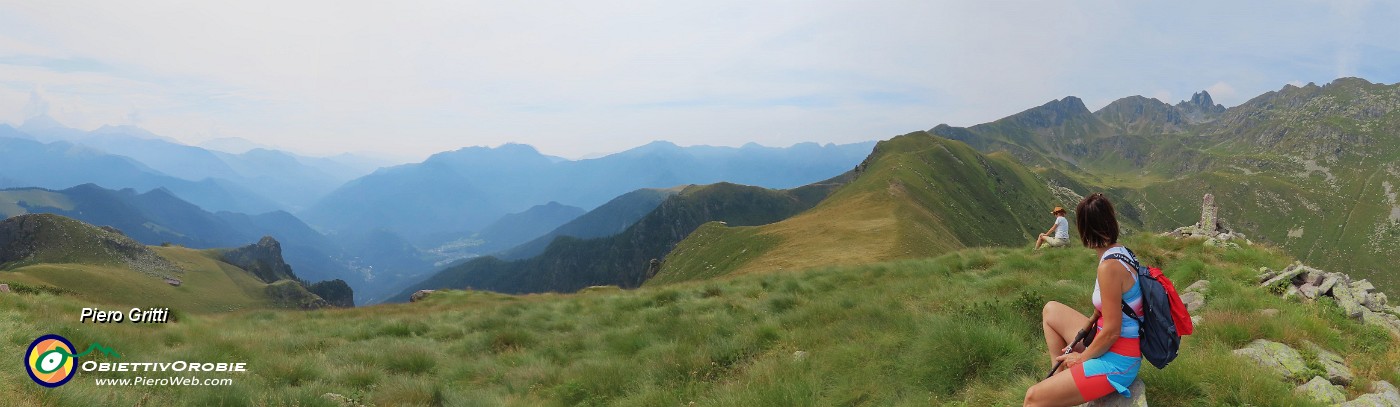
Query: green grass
[207, 285]
[958, 329]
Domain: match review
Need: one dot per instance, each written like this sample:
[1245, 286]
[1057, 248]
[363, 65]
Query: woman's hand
[1070, 359]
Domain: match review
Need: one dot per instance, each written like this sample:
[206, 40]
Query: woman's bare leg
[1061, 323]
[1058, 390]
[1039, 240]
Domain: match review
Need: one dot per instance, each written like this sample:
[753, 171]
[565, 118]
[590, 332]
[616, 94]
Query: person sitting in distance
[1058, 235]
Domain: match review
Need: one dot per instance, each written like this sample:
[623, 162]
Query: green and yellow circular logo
[50, 360]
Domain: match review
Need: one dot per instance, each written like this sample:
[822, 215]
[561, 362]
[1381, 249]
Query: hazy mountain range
[1312, 169]
[423, 202]
[379, 230]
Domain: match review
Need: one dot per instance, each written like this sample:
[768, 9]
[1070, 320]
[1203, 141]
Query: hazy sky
[581, 77]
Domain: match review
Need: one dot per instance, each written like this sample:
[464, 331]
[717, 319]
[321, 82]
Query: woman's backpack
[1164, 317]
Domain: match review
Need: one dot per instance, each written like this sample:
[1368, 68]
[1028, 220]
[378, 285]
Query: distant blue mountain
[58, 165]
[263, 179]
[460, 192]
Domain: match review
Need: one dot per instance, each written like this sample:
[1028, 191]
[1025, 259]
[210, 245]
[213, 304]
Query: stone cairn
[1210, 227]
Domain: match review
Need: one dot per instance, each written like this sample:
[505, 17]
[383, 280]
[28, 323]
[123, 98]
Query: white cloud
[1222, 90]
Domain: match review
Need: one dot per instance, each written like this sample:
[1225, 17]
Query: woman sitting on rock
[1058, 235]
[1110, 363]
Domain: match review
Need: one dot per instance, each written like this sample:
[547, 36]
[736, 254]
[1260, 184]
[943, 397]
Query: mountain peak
[1142, 114]
[42, 122]
[1201, 107]
[1202, 99]
[1052, 113]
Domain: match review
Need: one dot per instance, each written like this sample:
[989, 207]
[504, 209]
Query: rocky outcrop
[1358, 299]
[336, 292]
[1277, 357]
[1383, 394]
[1321, 391]
[1194, 296]
[263, 259]
[1289, 363]
[1201, 108]
[1333, 364]
[420, 295]
[291, 294]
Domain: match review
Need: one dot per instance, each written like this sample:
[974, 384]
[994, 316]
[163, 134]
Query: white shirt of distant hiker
[1061, 228]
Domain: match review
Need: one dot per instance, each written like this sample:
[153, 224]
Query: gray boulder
[420, 295]
[1362, 287]
[1329, 282]
[1387, 321]
[1193, 301]
[1265, 274]
[1318, 389]
[1200, 286]
[1337, 371]
[1139, 399]
[1286, 276]
[1383, 394]
[1314, 276]
[4, 288]
[1375, 301]
[1277, 357]
[1348, 301]
[1308, 290]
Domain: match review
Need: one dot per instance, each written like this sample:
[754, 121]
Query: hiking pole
[1083, 333]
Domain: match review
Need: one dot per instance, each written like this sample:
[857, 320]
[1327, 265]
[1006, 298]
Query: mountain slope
[54, 254]
[1312, 169]
[917, 195]
[44, 238]
[157, 217]
[509, 231]
[609, 219]
[570, 264]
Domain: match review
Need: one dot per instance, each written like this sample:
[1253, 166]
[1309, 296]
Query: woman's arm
[1112, 276]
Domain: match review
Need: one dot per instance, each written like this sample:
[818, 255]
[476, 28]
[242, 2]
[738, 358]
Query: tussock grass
[958, 329]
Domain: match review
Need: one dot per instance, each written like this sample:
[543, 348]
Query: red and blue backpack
[1164, 318]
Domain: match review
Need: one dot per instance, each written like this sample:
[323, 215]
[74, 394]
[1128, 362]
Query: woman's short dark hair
[1097, 221]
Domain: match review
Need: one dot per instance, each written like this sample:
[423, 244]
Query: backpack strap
[1137, 279]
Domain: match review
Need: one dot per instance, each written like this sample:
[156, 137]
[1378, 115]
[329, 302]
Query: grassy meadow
[958, 329]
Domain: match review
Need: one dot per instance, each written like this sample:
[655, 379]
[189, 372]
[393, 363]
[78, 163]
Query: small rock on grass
[1322, 391]
[1382, 394]
[1275, 356]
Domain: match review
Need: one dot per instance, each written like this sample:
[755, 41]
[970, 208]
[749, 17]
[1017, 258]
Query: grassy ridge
[916, 196]
[959, 329]
[208, 285]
